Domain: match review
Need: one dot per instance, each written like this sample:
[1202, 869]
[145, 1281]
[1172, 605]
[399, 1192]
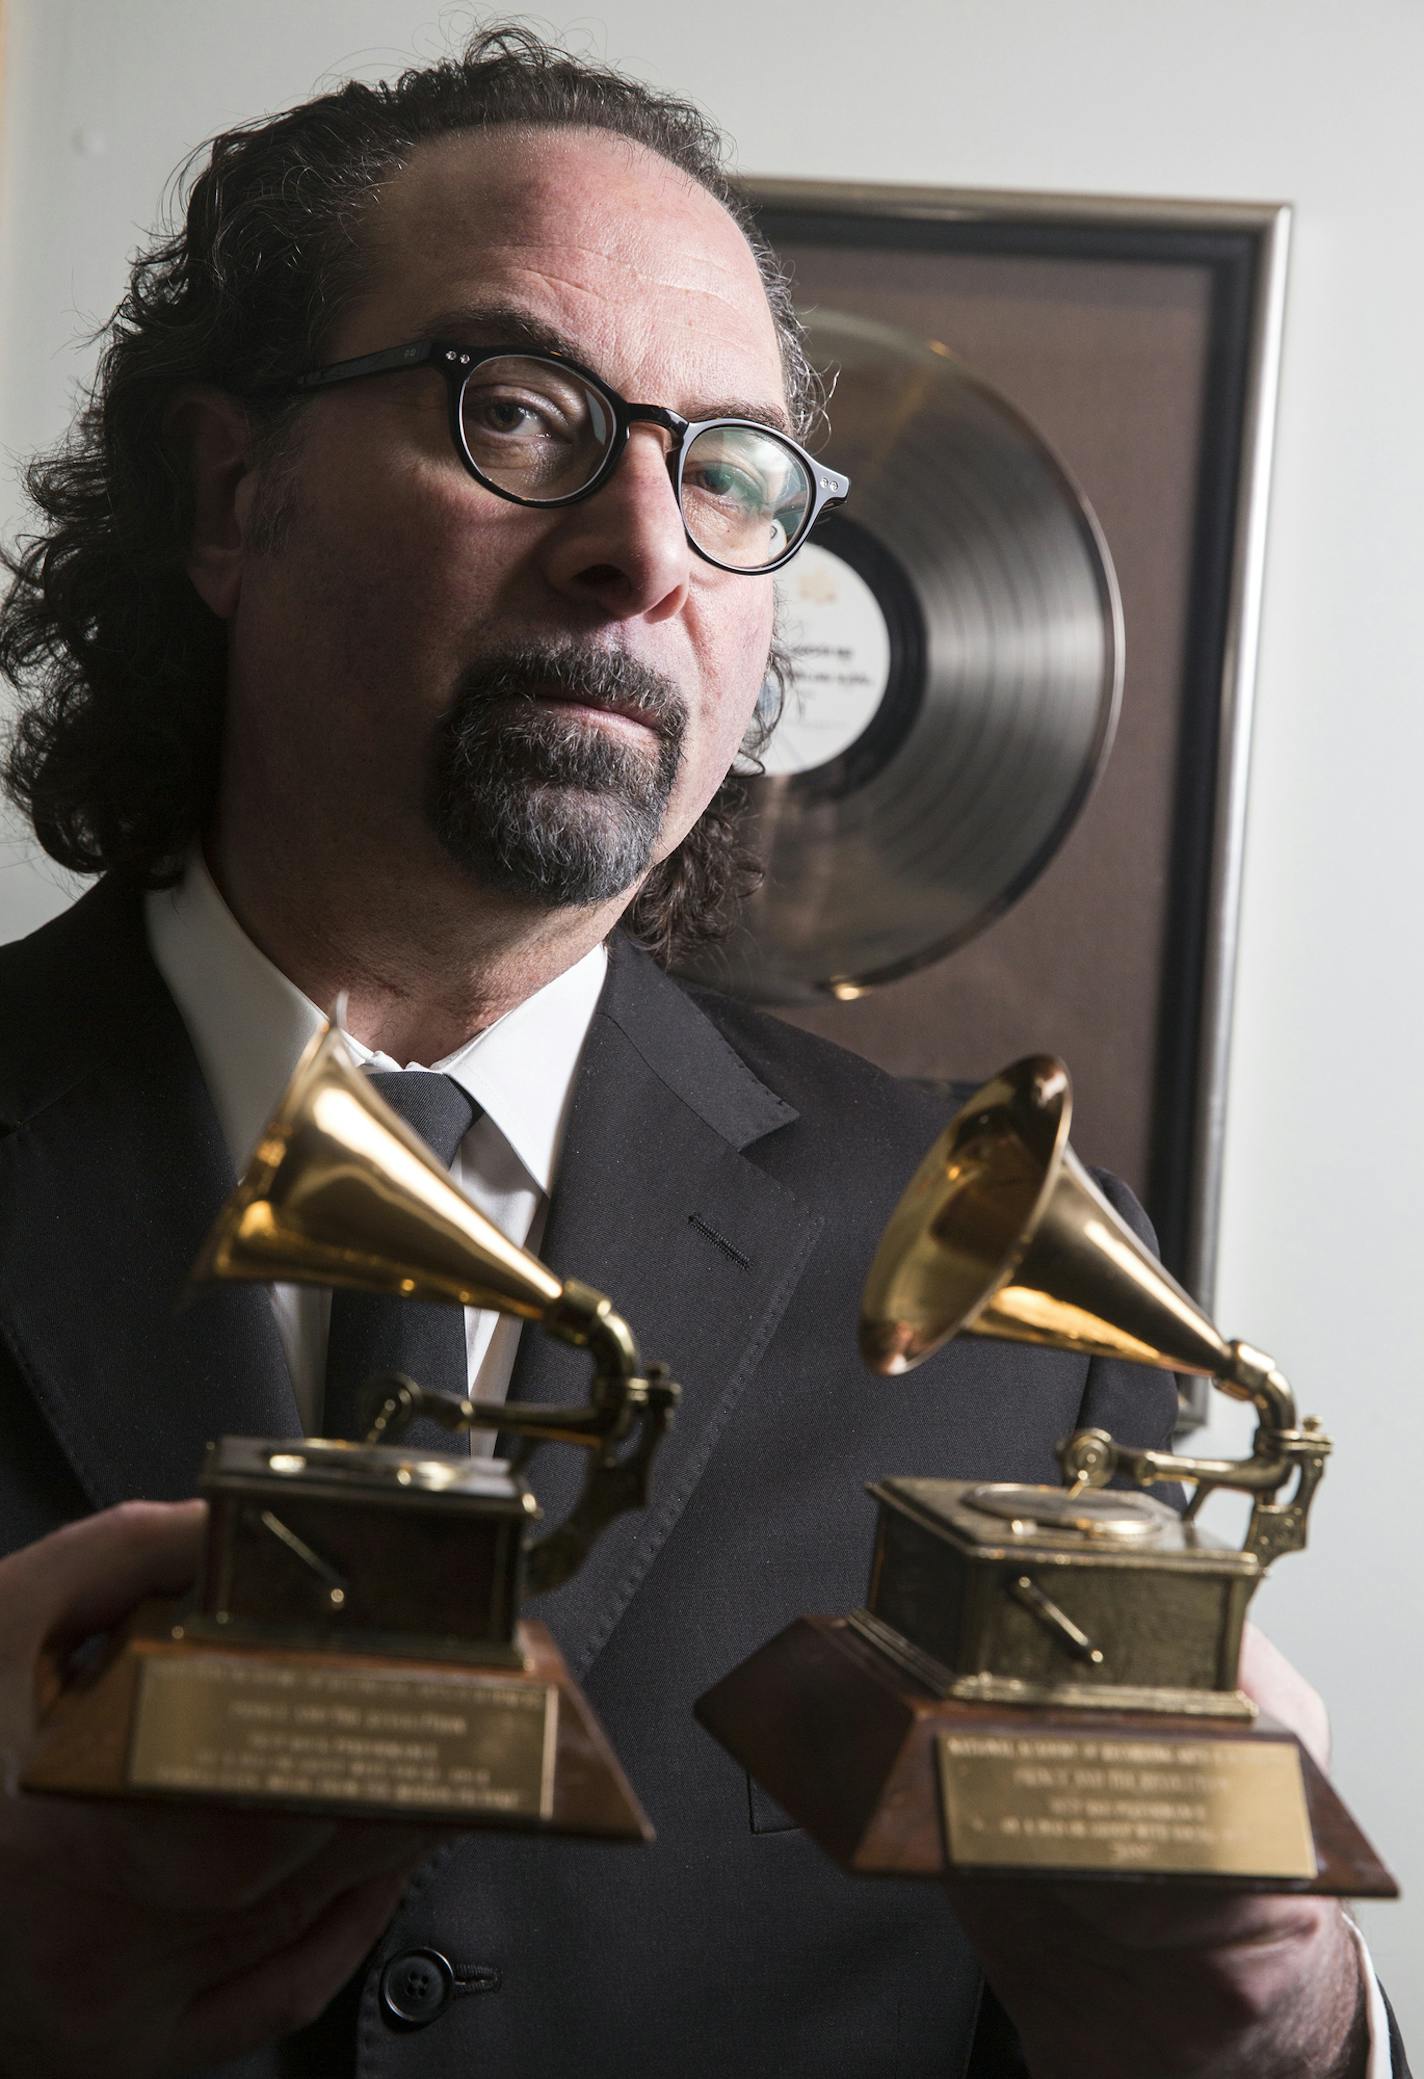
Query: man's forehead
[619, 249]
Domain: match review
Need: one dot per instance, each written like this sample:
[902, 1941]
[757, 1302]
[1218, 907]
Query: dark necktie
[371, 1333]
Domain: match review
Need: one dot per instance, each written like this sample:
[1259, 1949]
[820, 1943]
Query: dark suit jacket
[725, 1180]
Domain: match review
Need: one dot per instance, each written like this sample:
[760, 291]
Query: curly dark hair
[121, 667]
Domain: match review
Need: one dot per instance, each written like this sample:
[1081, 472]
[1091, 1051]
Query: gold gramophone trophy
[353, 1643]
[1043, 1680]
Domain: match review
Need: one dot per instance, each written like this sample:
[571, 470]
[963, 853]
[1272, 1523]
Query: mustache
[593, 676]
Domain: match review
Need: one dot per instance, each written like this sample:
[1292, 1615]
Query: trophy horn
[340, 1191]
[1001, 1232]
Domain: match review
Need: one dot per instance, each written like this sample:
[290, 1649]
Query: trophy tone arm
[624, 1395]
[1282, 1445]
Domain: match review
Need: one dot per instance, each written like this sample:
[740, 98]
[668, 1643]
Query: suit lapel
[111, 1171]
[114, 1167]
[658, 1206]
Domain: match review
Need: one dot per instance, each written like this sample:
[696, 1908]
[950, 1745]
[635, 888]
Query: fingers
[85, 1577]
[285, 1991]
[224, 1943]
[218, 1930]
[1178, 1918]
[78, 1581]
[199, 1861]
[1120, 1980]
[153, 1954]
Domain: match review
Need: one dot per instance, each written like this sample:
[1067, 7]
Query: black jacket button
[416, 1986]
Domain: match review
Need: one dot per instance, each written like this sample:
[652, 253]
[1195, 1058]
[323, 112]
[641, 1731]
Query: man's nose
[625, 550]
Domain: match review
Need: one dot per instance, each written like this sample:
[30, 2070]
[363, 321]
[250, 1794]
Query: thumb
[85, 1577]
[78, 1581]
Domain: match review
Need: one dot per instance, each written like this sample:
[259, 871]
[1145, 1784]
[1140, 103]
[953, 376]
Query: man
[439, 664]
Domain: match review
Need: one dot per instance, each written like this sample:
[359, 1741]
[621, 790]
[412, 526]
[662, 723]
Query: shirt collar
[249, 1024]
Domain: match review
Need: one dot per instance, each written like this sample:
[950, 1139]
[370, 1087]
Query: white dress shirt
[249, 1025]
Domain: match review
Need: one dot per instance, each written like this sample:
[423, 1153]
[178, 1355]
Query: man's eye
[504, 417]
[728, 483]
[513, 417]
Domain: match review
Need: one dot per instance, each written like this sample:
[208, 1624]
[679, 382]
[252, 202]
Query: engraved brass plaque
[1124, 1802]
[244, 1726]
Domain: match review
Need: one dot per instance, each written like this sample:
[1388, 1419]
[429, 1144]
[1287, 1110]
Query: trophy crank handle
[1057, 1623]
[335, 1584]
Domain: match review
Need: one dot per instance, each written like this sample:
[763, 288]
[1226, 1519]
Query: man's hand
[145, 1942]
[1127, 1981]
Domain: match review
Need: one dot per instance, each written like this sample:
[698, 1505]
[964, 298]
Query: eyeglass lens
[540, 432]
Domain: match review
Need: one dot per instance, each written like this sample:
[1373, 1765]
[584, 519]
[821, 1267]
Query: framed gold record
[956, 655]
[1057, 416]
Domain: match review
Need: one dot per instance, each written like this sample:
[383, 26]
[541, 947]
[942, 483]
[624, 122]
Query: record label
[838, 643]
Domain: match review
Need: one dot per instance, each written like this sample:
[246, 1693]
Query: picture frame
[1142, 338]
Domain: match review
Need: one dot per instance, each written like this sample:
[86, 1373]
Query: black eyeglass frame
[457, 364]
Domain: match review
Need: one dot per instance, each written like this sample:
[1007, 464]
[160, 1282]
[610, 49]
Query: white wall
[1309, 102]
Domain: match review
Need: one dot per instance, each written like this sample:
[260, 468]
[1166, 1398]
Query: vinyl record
[955, 637]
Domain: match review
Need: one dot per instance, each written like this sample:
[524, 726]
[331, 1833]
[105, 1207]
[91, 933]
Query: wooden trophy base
[174, 1715]
[894, 1781]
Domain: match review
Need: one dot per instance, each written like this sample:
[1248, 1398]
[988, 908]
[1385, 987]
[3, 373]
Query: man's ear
[212, 439]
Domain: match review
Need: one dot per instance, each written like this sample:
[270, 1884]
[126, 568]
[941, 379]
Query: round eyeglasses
[539, 430]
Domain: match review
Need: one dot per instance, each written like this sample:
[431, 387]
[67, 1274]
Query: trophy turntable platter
[1043, 1681]
[354, 1644]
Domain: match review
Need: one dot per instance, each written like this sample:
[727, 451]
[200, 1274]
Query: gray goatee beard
[525, 800]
